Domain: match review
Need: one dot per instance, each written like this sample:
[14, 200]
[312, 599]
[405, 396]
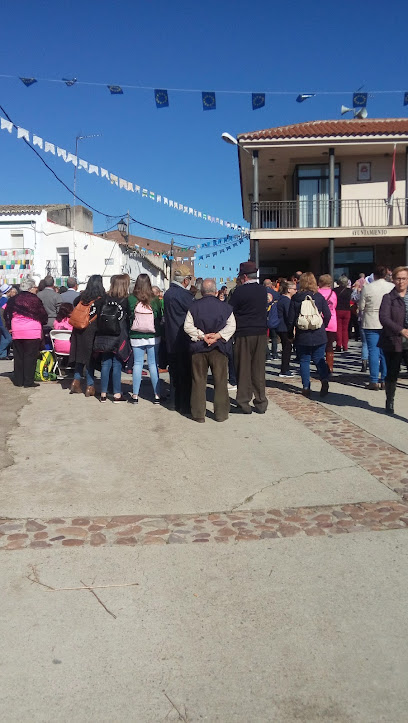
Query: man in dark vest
[249, 304]
[177, 301]
[210, 324]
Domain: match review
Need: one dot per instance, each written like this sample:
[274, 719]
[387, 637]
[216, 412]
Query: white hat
[4, 288]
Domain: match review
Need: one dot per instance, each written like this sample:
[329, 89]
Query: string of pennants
[113, 178]
[226, 244]
[208, 98]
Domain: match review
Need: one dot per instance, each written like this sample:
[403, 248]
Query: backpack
[109, 319]
[309, 318]
[273, 316]
[44, 368]
[80, 317]
[144, 319]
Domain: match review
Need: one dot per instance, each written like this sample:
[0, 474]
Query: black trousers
[273, 338]
[393, 360]
[286, 351]
[218, 363]
[25, 361]
[180, 376]
[250, 353]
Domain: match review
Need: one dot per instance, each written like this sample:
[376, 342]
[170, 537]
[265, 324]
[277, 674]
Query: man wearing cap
[177, 302]
[249, 304]
[4, 294]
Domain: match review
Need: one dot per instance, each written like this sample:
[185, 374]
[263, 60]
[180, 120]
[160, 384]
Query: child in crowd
[63, 346]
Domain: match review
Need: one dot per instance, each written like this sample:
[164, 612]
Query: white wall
[48, 240]
[377, 188]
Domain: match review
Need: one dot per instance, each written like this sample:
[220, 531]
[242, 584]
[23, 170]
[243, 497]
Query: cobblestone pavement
[383, 461]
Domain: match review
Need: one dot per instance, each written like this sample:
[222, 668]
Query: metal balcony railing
[322, 213]
[53, 267]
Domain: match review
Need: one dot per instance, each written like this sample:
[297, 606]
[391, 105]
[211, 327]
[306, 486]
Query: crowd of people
[192, 329]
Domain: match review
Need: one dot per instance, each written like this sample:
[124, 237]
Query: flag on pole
[393, 180]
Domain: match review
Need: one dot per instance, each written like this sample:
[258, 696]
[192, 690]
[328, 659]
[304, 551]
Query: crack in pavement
[284, 479]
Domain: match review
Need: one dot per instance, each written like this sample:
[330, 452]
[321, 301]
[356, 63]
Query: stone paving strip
[383, 461]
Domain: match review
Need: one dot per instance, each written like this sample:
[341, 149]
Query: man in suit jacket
[50, 299]
[177, 302]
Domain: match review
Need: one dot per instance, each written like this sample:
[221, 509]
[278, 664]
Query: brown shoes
[90, 392]
[374, 387]
[306, 392]
[76, 387]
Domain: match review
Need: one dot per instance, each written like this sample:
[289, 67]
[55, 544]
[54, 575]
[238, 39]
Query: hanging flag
[6, 125]
[208, 100]
[258, 100]
[37, 141]
[406, 98]
[393, 180]
[104, 173]
[304, 96]
[28, 81]
[22, 133]
[93, 169]
[144, 192]
[162, 98]
[83, 164]
[49, 148]
[115, 89]
[360, 100]
[69, 81]
[152, 195]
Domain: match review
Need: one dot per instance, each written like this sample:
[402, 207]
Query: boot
[76, 387]
[390, 388]
[90, 392]
[325, 388]
[330, 360]
[364, 365]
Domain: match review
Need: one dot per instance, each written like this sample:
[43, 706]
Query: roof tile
[323, 128]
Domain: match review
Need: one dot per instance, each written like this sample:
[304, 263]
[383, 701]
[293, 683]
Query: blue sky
[177, 151]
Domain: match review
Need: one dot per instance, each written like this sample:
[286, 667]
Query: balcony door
[312, 184]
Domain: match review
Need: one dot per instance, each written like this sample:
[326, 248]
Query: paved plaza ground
[237, 585]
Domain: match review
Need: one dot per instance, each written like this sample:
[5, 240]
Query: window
[63, 261]
[312, 187]
[17, 240]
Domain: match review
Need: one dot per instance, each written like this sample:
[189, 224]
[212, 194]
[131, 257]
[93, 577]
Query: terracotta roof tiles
[328, 128]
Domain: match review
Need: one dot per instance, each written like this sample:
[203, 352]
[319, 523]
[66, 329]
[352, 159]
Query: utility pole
[171, 257]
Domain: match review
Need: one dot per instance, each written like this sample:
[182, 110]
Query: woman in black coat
[394, 335]
[112, 329]
[310, 344]
[82, 340]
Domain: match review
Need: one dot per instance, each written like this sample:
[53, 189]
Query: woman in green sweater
[145, 318]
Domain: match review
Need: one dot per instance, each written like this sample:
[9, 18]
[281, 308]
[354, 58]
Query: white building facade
[33, 244]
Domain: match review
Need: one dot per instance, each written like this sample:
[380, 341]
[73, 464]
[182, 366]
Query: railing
[322, 213]
[54, 268]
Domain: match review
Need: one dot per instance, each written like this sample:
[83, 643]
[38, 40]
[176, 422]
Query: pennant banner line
[113, 178]
[161, 95]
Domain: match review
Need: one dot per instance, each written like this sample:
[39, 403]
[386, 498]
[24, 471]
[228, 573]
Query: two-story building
[317, 195]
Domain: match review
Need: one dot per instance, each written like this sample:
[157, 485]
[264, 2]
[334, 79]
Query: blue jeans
[364, 348]
[376, 358]
[315, 354]
[5, 341]
[90, 371]
[138, 354]
[111, 362]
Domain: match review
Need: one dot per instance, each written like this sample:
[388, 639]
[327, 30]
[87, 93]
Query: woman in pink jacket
[326, 290]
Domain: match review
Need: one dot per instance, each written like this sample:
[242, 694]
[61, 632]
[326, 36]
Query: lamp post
[228, 138]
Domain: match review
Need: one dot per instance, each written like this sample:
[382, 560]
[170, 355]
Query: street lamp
[122, 227]
[228, 138]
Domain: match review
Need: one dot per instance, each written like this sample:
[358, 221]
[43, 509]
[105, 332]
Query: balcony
[322, 213]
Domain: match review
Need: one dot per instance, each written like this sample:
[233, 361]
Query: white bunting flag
[37, 141]
[122, 183]
[114, 179]
[171, 203]
[22, 133]
[199, 214]
[137, 189]
[49, 148]
[104, 173]
[158, 198]
[83, 164]
[195, 212]
[165, 201]
[190, 211]
[6, 125]
[175, 204]
[93, 169]
[72, 158]
[130, 186]
[61, 153]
